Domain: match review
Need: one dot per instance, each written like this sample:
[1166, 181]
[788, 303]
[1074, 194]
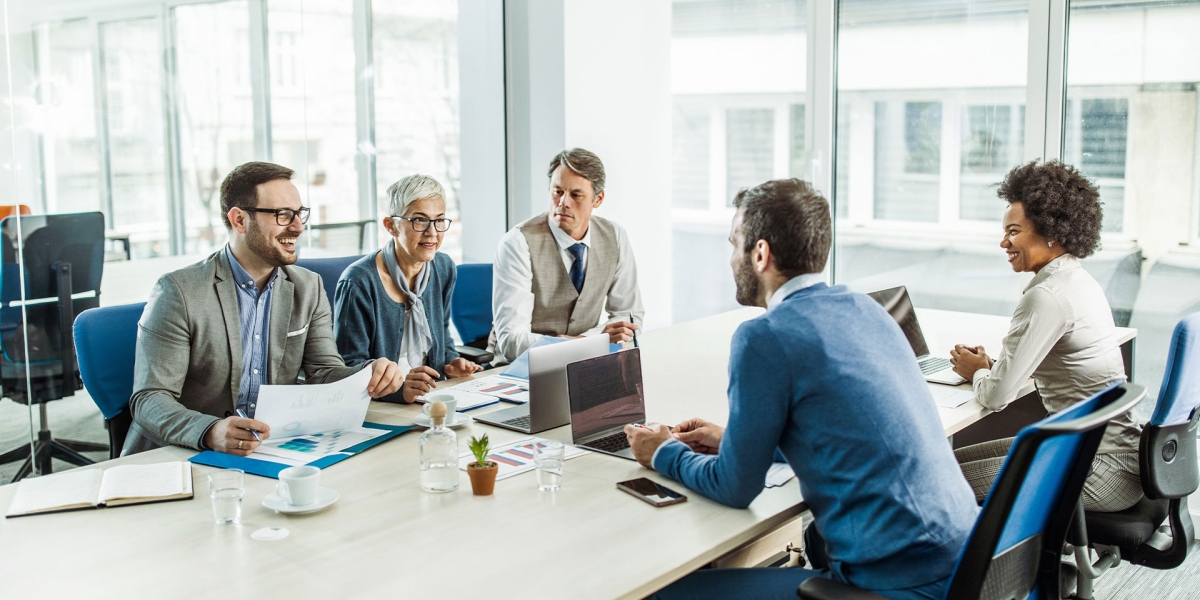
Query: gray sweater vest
[557, 308]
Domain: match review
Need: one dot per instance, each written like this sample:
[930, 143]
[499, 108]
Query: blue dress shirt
[254, 315]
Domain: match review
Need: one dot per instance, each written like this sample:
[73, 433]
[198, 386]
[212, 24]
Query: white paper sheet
[304, 449]
[516, 457]
[467, 399]
[497, 386]
[779, 474]
[950, 397]
[293, 410]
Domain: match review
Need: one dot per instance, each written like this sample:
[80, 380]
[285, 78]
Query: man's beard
[262, 247]
[747, 283]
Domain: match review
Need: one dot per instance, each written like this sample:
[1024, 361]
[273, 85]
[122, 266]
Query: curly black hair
[1063, 205]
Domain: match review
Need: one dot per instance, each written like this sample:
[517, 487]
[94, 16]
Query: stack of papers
[516, 457]
[467, 399]
[497, 386]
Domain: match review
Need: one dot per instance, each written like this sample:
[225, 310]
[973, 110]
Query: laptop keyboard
[521, 422]
[930, 366]
[610, 443]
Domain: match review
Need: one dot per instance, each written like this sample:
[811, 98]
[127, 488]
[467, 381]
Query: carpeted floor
[78, 418]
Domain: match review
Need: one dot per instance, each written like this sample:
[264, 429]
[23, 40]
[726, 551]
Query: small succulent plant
[480, 447]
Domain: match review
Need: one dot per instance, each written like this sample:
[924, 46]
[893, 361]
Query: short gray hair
[583, 162]
[410, 189]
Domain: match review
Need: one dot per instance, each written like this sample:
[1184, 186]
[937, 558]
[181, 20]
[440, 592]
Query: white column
[618, 105]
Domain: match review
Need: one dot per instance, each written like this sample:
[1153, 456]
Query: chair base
[47, 448]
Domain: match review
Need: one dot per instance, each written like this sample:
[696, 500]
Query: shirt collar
[243, 279]
[1063, 263]
[564, 239]
[794, 285]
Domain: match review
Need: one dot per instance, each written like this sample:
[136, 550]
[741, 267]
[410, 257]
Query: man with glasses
[555, 272]
[213, 332]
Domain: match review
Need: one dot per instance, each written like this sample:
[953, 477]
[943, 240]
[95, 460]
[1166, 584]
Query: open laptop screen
[897, 303]
[605, 392]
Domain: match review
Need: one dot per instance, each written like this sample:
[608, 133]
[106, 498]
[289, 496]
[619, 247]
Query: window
[992, 143]
[1095, 140]
[749, 148]
[690, 138]
[922, 137]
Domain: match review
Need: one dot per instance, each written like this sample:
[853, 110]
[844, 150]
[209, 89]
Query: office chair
[1167, 460]
[14, 209]
[471, 311]
[1014, 550]
[106, 340]
[62, 267]
[330, 270]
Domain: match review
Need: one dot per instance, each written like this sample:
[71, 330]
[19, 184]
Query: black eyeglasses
[421, 224]
[283, 216]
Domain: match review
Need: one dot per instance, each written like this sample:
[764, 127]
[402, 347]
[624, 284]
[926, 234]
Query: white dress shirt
[1062, 334]
[512, 288]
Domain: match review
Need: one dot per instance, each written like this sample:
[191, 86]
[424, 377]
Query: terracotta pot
[483, 479]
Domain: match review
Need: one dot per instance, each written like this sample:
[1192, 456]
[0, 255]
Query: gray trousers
[1113, 485]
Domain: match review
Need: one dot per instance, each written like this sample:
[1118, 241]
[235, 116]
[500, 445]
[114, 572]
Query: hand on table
[968, 359]
[418, 382]
[232, 435]
[700, 435]
[386, 378]
[461, 367]
[645, 439]
[620, 331]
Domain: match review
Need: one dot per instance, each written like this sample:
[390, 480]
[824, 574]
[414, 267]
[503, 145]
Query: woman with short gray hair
[396, 302]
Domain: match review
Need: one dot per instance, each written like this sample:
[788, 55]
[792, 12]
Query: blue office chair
[471, 310]
[1014, 551]
[1167, 457]
[330, 270]
[105, 339]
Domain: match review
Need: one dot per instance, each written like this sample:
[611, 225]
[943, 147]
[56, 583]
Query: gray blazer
[188, 365]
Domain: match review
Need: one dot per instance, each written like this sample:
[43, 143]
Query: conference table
[384, 537]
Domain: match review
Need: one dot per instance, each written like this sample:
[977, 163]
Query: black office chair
[1167, 457]
[63, 263]
[1015, 549]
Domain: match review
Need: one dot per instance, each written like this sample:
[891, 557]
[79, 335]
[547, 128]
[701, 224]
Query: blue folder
[270, 469]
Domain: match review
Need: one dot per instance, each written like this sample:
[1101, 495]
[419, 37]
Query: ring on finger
[239, 444]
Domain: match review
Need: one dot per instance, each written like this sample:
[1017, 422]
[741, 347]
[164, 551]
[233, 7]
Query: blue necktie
[577, 267]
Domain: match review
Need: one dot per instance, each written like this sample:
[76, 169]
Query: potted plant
[482, 471]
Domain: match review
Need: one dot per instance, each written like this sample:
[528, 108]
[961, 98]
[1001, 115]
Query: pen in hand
[632, 322]
[241, 413]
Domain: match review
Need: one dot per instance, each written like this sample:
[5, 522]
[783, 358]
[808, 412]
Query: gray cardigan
[369, 324]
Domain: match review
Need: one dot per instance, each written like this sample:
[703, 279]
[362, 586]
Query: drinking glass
[226, 488]
[548, 458]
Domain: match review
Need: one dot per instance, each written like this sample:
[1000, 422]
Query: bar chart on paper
[516, 457]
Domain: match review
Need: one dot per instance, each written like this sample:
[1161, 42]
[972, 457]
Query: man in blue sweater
[828, 379]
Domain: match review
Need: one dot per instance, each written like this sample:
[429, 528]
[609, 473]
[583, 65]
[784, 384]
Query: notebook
[93, 488]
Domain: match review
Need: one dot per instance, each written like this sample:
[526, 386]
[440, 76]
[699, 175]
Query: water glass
[548, 458]
[226, 488]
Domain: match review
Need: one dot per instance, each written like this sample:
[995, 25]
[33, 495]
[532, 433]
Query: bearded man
[214, 331]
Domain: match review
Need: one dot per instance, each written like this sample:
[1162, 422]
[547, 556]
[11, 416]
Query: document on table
[497, 386]
[951, 397]
[303, 449]
[779, 474]
[295, 410]
[467, 399]
[516, 457]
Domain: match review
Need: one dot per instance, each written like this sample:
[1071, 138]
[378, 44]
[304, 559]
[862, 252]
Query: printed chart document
[497, 386]
[294, 410]
[92, 488]
[303, 449]
[516, 457]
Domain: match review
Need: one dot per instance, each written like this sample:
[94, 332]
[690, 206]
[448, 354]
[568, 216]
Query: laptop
[606, 395]
[898, 304]
[547, 407]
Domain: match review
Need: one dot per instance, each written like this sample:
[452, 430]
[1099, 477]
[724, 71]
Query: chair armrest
[820, 588]
[474, 355]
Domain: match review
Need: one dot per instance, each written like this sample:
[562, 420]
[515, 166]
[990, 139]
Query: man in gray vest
[555, 272]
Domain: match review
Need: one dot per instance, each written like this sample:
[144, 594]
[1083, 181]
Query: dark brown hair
[240, 187]
[1062, 204]
[793, 217]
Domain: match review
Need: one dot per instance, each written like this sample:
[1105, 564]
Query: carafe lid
[437, 413]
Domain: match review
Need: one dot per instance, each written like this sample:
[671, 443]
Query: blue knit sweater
[828, 378]
[368, 324]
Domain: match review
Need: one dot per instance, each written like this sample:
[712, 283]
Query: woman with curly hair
[1062, 331]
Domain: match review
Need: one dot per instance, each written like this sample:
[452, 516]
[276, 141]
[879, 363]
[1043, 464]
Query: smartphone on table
[651, 492]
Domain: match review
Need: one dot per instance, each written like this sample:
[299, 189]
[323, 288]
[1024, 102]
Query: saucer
[275, 502]
[460, 419]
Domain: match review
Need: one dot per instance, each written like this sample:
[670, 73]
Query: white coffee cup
[298, 485]
[450, 401]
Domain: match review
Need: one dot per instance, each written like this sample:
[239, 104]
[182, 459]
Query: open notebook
[93, 488]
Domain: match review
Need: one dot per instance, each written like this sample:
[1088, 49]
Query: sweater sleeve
[448, 353]
[759, 399]
[354, 316]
